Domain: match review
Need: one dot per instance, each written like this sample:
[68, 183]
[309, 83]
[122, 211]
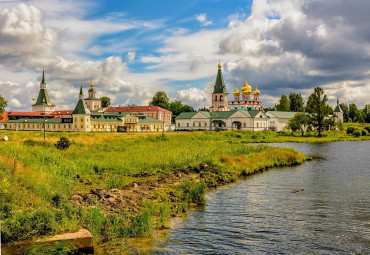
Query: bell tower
[220, 97]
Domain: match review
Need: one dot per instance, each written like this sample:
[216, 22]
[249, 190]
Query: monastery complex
[245, 112]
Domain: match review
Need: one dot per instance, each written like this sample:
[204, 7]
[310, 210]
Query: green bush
[350, 130]
[364, 132]
[63, 143]
[367, 129]
[356, 133]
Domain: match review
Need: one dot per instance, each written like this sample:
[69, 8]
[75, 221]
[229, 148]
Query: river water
[261, 214]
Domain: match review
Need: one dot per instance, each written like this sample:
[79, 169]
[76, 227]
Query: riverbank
[121, 185]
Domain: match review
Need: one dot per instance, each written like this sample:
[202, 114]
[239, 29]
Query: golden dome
[219, 65]
[91, 84]
[246, 89]
[256, 91]
[236, 92]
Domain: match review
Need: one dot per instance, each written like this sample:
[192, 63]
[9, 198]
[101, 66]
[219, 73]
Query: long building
[86, 117]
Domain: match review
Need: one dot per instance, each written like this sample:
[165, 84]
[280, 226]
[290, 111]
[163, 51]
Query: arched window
[221, 98]
[215, 98]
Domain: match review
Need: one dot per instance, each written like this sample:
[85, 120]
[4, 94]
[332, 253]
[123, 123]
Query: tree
[203, 109]
[160, 99]
[317, 106]
[299, 122]
[353, 112]
[345, 110]
[283, 105]
[366, 110]
[296, 102]
[176, 107]
[269, 109]
[105, 102]
[3, 104]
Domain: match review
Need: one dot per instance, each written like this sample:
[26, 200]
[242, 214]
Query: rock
[135, 185]
[81, 240]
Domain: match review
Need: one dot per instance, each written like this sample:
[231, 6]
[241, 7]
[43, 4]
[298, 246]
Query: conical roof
[219, 84]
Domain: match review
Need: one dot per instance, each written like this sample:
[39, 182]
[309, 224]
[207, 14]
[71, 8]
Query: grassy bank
[123, 185]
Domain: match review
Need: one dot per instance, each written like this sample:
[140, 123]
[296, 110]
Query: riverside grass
[37, 180]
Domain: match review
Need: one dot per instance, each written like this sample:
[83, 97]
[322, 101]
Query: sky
[130, 49]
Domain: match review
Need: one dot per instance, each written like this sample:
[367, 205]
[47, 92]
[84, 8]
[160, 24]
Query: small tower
[338, 112]
[92, 102]
[246, 91]
[81, 115]
[43, 103]
[220, 100]
[236, 94]
[256, 94]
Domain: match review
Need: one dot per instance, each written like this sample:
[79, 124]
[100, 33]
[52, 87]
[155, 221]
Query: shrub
[63, 143]
[364, 132]
[356, 133]
[367, 129]
[350, 130]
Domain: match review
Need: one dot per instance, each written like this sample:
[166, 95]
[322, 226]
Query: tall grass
[36, 179]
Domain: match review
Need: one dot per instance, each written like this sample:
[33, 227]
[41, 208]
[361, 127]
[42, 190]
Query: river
[262, 214]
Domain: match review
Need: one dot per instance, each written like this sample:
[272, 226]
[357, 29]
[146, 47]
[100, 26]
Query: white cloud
[202, 18]
[130, 56]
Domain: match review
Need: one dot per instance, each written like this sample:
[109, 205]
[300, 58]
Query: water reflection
[261, 214]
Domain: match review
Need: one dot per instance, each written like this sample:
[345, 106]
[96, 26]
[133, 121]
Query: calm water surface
[261, 215]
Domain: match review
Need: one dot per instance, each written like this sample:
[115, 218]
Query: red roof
[29, 114]
[67, 112]
[136, 109]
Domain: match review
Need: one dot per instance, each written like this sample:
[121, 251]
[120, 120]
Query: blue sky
[131, 49]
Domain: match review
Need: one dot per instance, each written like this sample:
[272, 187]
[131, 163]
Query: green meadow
[37, 181]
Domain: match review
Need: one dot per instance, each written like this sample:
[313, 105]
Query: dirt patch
[131, 197]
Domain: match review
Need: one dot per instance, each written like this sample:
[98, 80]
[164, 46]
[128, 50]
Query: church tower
[81, 115]
[92, 102]
[236, 94]
[220, 98]
[246, 91]
[43, 103]
[256, 94]
[338, 112]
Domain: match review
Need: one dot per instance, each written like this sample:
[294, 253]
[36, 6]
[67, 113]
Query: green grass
[37, 180]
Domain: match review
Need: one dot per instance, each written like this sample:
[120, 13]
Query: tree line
[295, 103]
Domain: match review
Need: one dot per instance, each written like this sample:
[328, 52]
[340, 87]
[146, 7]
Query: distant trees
[284, 104]
[353, 112]
[105, 102]
[176, 107]
[160, 99]
[203, 109]
[319, 109]
[296, 102]
[300, 122]
[3, 104]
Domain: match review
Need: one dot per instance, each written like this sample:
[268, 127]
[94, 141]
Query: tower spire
[43, 75]
[81, 93]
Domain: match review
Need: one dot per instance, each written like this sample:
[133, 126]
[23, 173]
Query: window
[178, 124]
[82, 126]
[257, 124]
[205, 124]
[245, 124]
[215, 98]
[200, 124]
[187, 124]
[193, 124]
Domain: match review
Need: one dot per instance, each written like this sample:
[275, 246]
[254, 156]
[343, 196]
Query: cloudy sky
[130, 49]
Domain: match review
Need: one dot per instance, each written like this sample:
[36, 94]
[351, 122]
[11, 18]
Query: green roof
[185, 115]
[207, 114]
[43, 98]
[245, 112]
[337, 109]
[282, 115]
[147, 119]
[221, 115]
[52, 121]
[238, 107]
[253, 113]
[219, 84]
[81, 108]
